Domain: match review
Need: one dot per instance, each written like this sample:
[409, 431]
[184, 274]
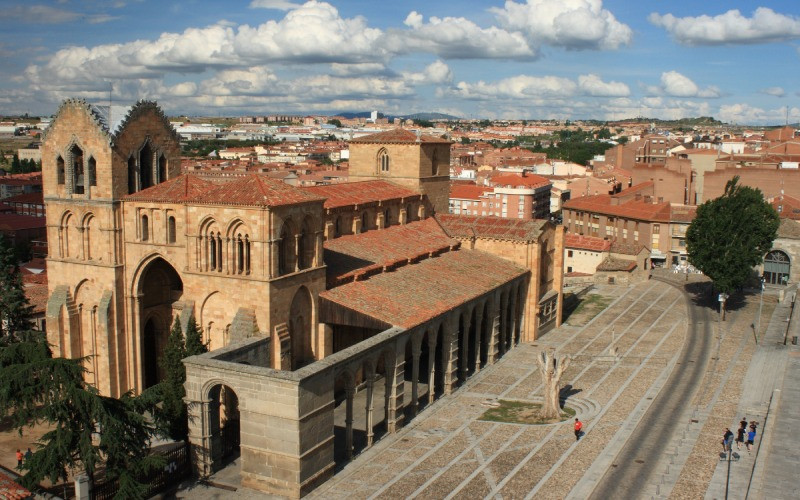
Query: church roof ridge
[399, 136]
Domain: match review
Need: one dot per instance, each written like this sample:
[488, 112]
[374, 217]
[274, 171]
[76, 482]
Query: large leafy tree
[15, 310]
[730, 235]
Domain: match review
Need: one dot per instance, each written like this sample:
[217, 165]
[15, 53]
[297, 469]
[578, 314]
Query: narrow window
[212, 253]
[364, 222]
[162, 168]
[246, 254]
[171, 229]
[60, 169]
[219, 252]
[383, 160]
[132, 175]
[92, 167]
[78, 178]
[145, 228]
[146, 167]
[239, 255]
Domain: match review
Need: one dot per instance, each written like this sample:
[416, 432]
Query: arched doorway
[776, 268]
[159, 287]
[223, 425]
[300, 325]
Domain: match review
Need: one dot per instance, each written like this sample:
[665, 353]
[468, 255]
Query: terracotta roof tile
[592, 243]
[255, 190]
[14, 222]
[514, 180]
[790, 229]
[634, 209]
[398, 136]
[616, 265]
[467, 191]
[359, 193]
[414, 294]
[11, 490]
[501, 228]
[348, 255]
[35, 198]
[176, 190]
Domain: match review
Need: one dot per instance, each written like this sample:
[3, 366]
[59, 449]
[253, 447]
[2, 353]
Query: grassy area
[519, 412]
[589, 306]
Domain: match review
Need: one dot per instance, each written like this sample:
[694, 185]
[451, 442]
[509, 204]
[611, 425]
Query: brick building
[306, 296]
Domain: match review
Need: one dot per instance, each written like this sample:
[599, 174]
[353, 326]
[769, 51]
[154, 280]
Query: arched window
[170, 229]
[286, 251]
[242, 254]
[92, 171]
[78, 178]
[212, 253]
[387, 217]
[434, 164]
[777, 267]
[383, 160]
[162, 168]
[133, 176]
[364, 222]
[60, 169]
[146, 167]
[145, 228]
[337, 226]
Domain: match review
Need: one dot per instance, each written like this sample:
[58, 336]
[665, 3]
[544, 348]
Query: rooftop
[414, 294]
[399, 136]
[526, 180]
[467, 191]
[591, 243]
[359, 193]
[500, 228]
[634, 209]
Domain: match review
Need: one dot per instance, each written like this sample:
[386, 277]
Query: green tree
[16, 168]
[730, 235]
[335, 121]
[194, 339]
[15, 311]
[170, 416]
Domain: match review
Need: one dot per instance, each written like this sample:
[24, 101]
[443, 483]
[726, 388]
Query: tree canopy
[15, 310]
[730, 235]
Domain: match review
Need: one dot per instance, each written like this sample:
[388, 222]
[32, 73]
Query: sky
[525, 59]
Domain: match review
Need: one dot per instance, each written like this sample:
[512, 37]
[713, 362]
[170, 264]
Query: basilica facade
[307, 297]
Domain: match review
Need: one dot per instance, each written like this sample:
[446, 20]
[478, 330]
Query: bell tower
[416, 161]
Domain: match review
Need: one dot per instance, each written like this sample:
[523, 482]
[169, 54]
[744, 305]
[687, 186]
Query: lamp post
[728, 445]
[760, 305]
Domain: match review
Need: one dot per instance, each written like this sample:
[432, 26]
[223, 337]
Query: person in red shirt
[578, 427]
[19, 459]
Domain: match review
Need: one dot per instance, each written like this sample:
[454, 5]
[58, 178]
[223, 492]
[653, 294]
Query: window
[242, 254]
[92, 171]
[60, 169]
[569, 253]
[383, 160]
[132, 175]
[78, 179]
[162, 168]
[170, 229]
[569, 269]
[145, 228]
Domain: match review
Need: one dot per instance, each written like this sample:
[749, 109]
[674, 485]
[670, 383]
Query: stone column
[478, 336]
[82, 236]
[348, 420]
[395, 380]
[503, 322]
[450, 354]
[274, 251]
[356, 224]
[296, 252]
[432, 335]
[403, 216]
[318, 249]
[416, 351]
[370, 375]
[199, 438]
[513, 306]
[494, 334]
[464, 356]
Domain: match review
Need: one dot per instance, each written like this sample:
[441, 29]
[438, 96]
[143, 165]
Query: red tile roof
[501, 228]
[37, 297]
[581, 242]
[399, 136]
[467, 191]
[616, 265]
[10, 490]
[634, 209]
[414, 294]
[240, 190]
[378, 248]
[360, 193]
[35, 198]
[514, 180]
[180, 189]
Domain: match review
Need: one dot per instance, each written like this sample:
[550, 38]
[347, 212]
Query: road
[634, 466]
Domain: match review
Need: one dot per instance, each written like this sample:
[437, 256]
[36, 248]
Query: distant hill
[431, 116]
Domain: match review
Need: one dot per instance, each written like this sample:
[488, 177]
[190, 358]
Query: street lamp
[729, 447]
[760, 305]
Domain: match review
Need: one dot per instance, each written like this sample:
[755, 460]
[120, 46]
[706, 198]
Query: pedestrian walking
[578, 427]
[28, 455]
[726, 440]
[740, 437]
[19, 459]
[743, 423]
[751, 437]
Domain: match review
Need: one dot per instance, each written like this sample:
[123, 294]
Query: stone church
[313, 301]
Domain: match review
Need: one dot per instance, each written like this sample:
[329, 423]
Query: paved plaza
[622, 359]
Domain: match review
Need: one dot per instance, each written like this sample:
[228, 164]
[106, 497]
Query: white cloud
[774, 91]
[746, 113]
[273, 4]
[517, 87]
[354, 69]
[436, 72]
[677, 85]
[592, 85]
[456, 38]
[731, 27]
[573, 24]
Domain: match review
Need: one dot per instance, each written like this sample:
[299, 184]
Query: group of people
[23, 456]
[744, 431]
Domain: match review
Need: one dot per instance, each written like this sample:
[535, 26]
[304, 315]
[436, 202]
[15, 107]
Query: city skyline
[576, 59]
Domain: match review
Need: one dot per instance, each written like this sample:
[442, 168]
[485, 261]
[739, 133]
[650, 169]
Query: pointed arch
[61, 170]
[286, 247]
[382, 161]
[77, 164]
[300, 328]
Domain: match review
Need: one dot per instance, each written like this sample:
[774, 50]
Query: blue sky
[604, 59]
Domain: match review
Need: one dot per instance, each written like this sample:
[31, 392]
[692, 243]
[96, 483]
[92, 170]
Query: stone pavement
[448, 452]
[764, 376]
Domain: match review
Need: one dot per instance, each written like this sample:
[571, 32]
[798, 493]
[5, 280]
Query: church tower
[93, 156]
[418, 162]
